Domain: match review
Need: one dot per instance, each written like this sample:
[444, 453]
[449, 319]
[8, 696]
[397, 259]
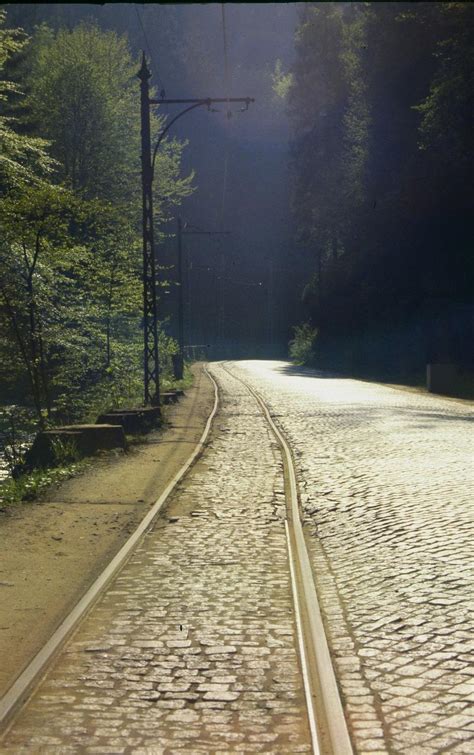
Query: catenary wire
[229, 114]
[148, 47]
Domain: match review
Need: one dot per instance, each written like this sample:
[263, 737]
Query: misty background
[244, 289]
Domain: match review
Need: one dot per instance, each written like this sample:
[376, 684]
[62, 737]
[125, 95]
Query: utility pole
[182, 231]
[179, 360]
[150, 323]
[150, 326]
[271, 307]
[221, 313]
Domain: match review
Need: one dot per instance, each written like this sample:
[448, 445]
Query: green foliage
[84, 97]
[187, 380]
[318, 98]
[64, 452]
[71, 338]
[281, 82]
[36, 256]
[444, 126]
[381, 103]
[23, 159]
[302, 345]
[29, 486]
[16, 427]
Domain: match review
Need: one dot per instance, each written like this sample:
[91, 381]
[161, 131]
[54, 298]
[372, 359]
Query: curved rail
[31, 675]
[328, 725]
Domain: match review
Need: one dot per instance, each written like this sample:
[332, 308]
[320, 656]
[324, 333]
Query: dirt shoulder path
[53, 549]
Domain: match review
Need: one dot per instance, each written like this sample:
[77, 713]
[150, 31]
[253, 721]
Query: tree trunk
[34, 351]
[26, 359]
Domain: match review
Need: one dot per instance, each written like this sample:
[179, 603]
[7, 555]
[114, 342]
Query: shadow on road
[359, 415]
[430, 417]
[299, 371]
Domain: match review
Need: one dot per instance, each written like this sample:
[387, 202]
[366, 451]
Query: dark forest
[344, 190]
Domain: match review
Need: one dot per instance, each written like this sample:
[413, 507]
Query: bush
[27, 487]
[302, 345]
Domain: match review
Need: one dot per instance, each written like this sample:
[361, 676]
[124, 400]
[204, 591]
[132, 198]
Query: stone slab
[133, 421]
[82, 439]
[450, 379]
[169, 397]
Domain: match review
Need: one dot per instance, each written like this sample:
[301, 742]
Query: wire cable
[229, 114]
[226, 59]
[224, 182]
[148, 47]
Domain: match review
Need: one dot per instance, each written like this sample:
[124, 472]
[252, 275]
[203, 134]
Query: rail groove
[32, 675]
[328, 725]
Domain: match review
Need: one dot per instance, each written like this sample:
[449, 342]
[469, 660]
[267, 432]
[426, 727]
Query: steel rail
[34, 672]
[327, 722]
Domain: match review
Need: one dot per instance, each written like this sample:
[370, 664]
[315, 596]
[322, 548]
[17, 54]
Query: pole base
[178, 366]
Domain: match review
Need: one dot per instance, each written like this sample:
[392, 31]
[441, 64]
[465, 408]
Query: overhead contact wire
[229, 113]
[148, 47]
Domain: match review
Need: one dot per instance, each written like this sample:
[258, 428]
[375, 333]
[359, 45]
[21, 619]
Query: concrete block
[78, 439]
[133, 421]
[169, 397]
[449, 379]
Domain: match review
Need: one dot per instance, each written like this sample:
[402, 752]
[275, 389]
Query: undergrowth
[302, 346]
[30, 485]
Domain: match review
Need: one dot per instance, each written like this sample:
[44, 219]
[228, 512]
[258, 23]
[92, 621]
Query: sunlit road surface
[386, 482]
[193, 649]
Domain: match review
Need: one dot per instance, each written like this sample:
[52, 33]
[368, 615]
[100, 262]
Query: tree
[445, 125]
[111, 271]
[84, 97]
[380, 194]
[36, 244]
[23, 159]
[70, 252]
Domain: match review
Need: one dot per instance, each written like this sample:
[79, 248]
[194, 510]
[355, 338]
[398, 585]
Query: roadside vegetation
[71, 339]
[70, 219]
[28, 485]
[381, 98]
[302, 346]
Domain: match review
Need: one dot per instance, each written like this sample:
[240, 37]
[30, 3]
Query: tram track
[328, 729]
[33, 673]
[327, 722]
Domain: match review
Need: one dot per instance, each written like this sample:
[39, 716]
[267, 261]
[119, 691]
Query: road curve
[386, 483]
[328, 726]
[193, 644]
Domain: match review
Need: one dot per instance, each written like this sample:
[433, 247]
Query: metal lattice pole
[150, 329]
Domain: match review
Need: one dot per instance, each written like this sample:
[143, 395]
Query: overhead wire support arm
[206, 233]
[203, 101]
[193, 103]
[151, 360]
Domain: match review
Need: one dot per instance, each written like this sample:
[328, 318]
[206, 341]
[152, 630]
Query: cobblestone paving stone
[386, 481]
[192, 649]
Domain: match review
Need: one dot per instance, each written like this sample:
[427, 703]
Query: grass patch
[169, 383]
[30, 485]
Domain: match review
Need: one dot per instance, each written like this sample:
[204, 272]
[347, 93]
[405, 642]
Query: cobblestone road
[386, 480]
[193, 648]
